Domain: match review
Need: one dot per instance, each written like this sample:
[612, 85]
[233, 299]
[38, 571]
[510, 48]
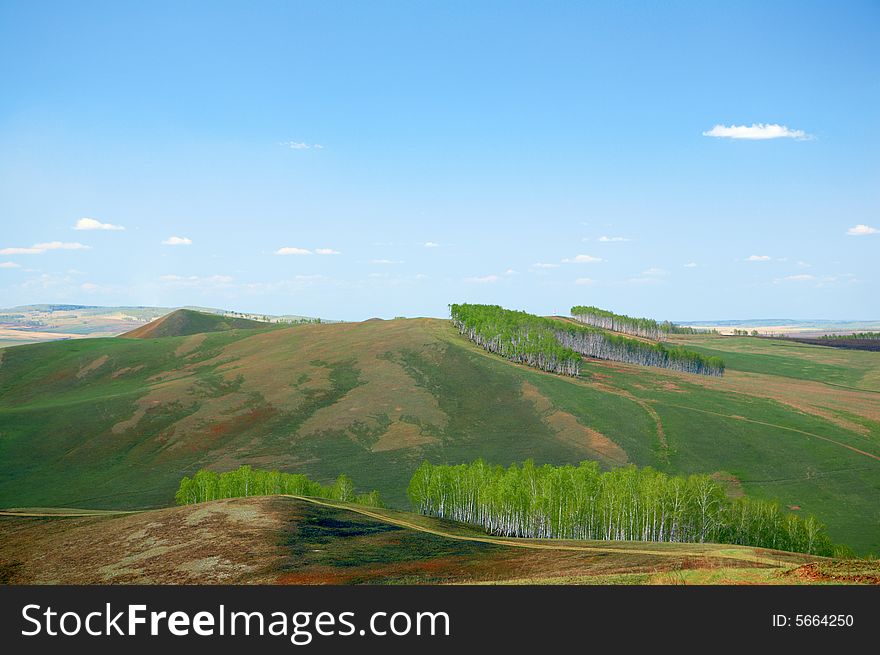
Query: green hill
[115, 423]
[184, 322]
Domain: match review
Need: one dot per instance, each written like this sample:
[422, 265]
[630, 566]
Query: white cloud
[40, 248]
[9, 265]
[177, 241]
[758, 258]
[861, 230]
[486, 279]
[327, 251]
[301, 145]
[799, 278]
[757, 132]
[89, 286]
[691, 265]
[431, 244]
[61, 245]
[605, 239]
[511, 271]
[585, 281]
[582, 259]
[290, 250]
[22, 251]
[655, 272]
[543, 265]
[385, 261]
[92, 224]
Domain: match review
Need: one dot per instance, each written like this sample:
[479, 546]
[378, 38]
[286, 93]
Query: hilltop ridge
[185, 322]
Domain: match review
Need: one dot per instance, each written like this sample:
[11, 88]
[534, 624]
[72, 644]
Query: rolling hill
[286, 540]
[184, 322]
[115, 423]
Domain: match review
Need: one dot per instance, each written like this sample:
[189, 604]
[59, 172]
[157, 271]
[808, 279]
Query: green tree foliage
[517, 336]
[581, 502]
[602, 318]
[244, 481]
[674, 328]
[855, 335]
[557, 347]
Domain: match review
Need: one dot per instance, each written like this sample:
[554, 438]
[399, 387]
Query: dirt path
[781, 427]
[734, 552]
[741, 553]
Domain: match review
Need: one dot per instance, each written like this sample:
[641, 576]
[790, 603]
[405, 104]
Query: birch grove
[602, 318]
[581, 502]
[555, 346]
[208, 485]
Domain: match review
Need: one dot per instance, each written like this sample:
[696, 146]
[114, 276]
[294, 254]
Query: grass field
[115, 423]
[282, 540]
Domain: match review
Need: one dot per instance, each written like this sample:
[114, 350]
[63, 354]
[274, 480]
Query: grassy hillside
[184, 322]
[282, 540]
[117, 422]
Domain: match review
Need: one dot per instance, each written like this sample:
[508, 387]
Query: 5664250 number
[823, 620]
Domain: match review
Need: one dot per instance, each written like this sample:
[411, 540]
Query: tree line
[245, 481]
[638, 327]
[517, 336]
[581, 502]
[854, 335]
[557, 347]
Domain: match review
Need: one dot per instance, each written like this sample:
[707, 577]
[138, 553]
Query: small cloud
[757, 132]
[61, 245]
[22, 251]
[655, 272]
[759, 258]
[486, 279]
[691, 265]
[92, 224]
[385, 261]
[177, 241]
[543, 265]
[510, 271]
[431, 244]
[290, 250]
[803, 264]
[582, 259]
[604, 239]
[301, 145]
[585, 281]
[327, 251]
[89, 286]
[861, 230]
[799, 278]
[9, 265]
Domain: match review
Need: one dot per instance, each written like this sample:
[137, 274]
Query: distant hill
[184, 322]
[47, 322]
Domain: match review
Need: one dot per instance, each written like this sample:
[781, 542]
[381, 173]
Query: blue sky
[536, 155]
